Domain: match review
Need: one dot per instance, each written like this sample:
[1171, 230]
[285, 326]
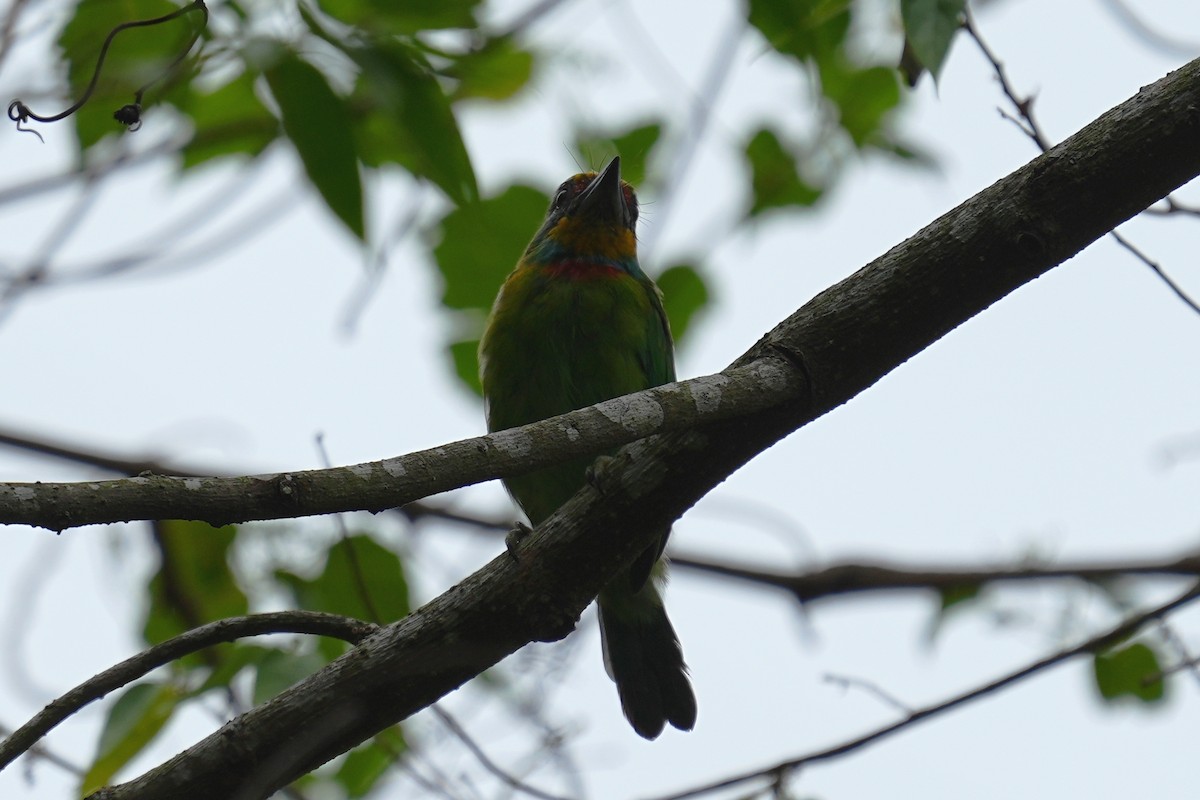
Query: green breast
[556, 344]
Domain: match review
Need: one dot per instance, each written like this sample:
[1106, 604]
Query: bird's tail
[642, 655]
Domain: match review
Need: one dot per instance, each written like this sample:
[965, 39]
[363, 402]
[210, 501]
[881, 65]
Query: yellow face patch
[605, 241]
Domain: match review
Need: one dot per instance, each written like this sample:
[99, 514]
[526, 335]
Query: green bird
[578, 322]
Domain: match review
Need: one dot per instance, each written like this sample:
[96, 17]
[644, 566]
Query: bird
[575, 323]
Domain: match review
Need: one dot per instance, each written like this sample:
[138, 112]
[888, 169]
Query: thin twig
[847, 682]
[44, 753]
[1157, 270]
[20, 113]
[1027, 123]
[491, 766]
[1093, 645]
[356, 570]
[861, 577]
[8, 28]
[528, 17]
[111, 462]
[1173, 207]
[1157, 41]
[129, 670]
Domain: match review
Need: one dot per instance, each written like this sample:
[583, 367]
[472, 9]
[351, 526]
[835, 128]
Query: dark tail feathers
[642, 654]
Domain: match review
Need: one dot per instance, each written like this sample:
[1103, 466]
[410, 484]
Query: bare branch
[1028, 124]
[380, 485]
[864, 577]
[491, 766]
[129, 670]
[1095, 644]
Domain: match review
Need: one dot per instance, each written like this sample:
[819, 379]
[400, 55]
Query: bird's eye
[560, 198]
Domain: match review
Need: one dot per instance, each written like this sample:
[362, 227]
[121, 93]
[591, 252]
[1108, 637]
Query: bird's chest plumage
[563, 339]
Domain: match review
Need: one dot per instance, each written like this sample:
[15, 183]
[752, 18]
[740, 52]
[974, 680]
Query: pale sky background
[1037, 427]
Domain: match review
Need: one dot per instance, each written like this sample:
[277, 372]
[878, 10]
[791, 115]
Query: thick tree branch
[380, 485]
[840, 344]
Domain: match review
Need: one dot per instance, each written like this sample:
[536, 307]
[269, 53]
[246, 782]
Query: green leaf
[954, 595]
[406, 17]
[952, 599]
[775, 178]
[465, 357]
[193, 584]
[365, 765]
[228, 121]
[813, 29]
[361, 579]
[929, 27]
[479, 245]
[133, 721]
[136, 57]
[481, 242]
[684, 293]
[863, 98]
[410, 121]
[316, 121]
[633, 146]
[279, 670]
[1131, 671]
[235, 657]
[496, 71]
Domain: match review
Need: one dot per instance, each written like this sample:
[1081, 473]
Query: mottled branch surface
[839, 344]
[380, 485]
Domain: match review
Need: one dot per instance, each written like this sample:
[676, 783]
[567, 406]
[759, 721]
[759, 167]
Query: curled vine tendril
[128, 115]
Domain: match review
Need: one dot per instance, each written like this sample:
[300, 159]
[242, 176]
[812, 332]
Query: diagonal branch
[129, 670]
[381, 485]
[775, 774]
[837, 345]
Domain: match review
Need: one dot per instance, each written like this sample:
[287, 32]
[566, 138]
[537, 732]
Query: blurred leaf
[465, 356]
[1131, 671]
[929, 27]
[913, 154]
[361, 579]
[316, 121]
[633, 146]
[863, 98]
[193, 585]
[228, 121]
[815, 32]
[133, 721]
[813, 29]
[496, 71]
[775, 178]
[955, 595]
[409, 119]
[234, 658]
[953, 598]
[365, 765]
[409, 16]
[481, 243]
[136, 57]
[684, 293]
[279, 670]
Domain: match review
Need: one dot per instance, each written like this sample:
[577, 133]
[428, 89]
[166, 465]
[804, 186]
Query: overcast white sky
[1035, 428]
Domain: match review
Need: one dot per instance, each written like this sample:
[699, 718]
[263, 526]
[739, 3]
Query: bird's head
[592, 216]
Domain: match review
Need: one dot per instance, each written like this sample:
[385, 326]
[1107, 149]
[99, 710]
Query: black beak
[603, 200]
